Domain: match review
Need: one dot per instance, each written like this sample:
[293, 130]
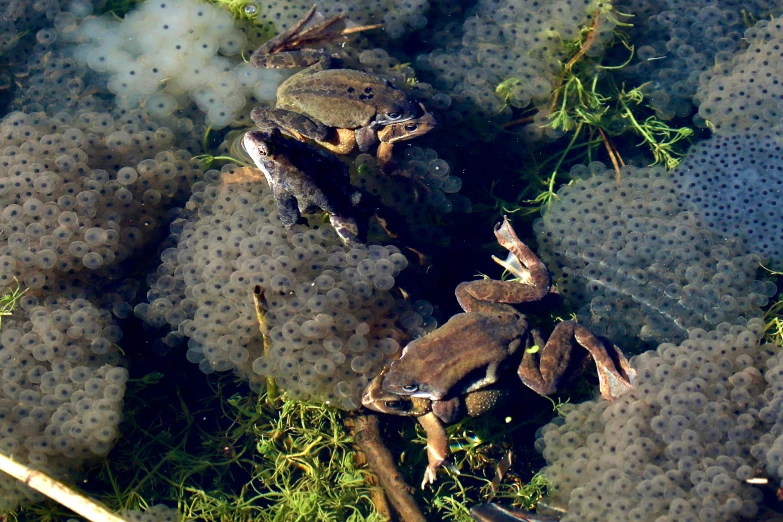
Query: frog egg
[232, 43]
[92, 260]
[312, 329]
[362, 289]
[324, 367]
[332, 344]
[269, 80]
[361, 364]
[357, 343]
[383, 281]
[388, 346]
[385, 267]
[219, 116]
[160, 105]
[366, 267]
[337, 298]
[410, 320]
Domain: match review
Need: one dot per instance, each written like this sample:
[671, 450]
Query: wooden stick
[59, 492]
[272, 391]
[368, 438]
[613, 155]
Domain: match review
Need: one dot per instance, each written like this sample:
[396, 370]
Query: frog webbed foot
[526, 266]
[548, 369]
[288, 122]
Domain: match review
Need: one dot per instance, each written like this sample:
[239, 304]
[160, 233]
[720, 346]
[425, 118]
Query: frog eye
[393, 115]
[411, 127]
[410, 388]
[393, 405]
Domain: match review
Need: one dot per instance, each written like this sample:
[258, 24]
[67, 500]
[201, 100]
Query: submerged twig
[381, 462]
[57, 491]
[617, 160]
[272, 391]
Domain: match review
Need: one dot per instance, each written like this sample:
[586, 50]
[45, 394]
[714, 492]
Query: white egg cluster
[62, 388]
[82, 192]
[636, 261]
[165, 52]
[702, 417]
[745, 92]
[736, 182]
[331, 319]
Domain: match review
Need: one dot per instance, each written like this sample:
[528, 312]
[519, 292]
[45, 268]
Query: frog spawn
[191, 56]
[702, 419]
[331, 319]
[635, 261]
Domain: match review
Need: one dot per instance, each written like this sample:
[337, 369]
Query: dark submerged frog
[340, 109]
[438, 375]
[305, 179]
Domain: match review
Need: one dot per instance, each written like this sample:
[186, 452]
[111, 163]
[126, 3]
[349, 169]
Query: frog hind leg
[522, 262]
[549, 368]
[437, 446]
[291, 123]
[284, 50]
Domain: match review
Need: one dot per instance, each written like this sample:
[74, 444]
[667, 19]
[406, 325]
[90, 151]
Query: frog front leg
[548, 369]
[288, 122]
[302, 128]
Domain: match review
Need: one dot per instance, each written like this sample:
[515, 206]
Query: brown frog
[432, 415]
[340, 109]
[467, 354]
[305, 179]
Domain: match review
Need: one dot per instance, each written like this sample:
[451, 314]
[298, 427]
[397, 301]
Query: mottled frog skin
[340, 109]
[305, 179]
[441, 371]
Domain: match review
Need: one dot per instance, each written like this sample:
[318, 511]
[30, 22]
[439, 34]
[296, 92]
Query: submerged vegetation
[226, 453]
[591, 108]
[232, 456]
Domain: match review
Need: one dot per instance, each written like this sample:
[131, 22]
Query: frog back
[343, 98]
[453, 359]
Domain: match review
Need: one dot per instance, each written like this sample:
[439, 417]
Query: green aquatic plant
[235, 456]
[118, 8]
[240, 9]
[9, 299]
[594, 109]
[773, 316]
